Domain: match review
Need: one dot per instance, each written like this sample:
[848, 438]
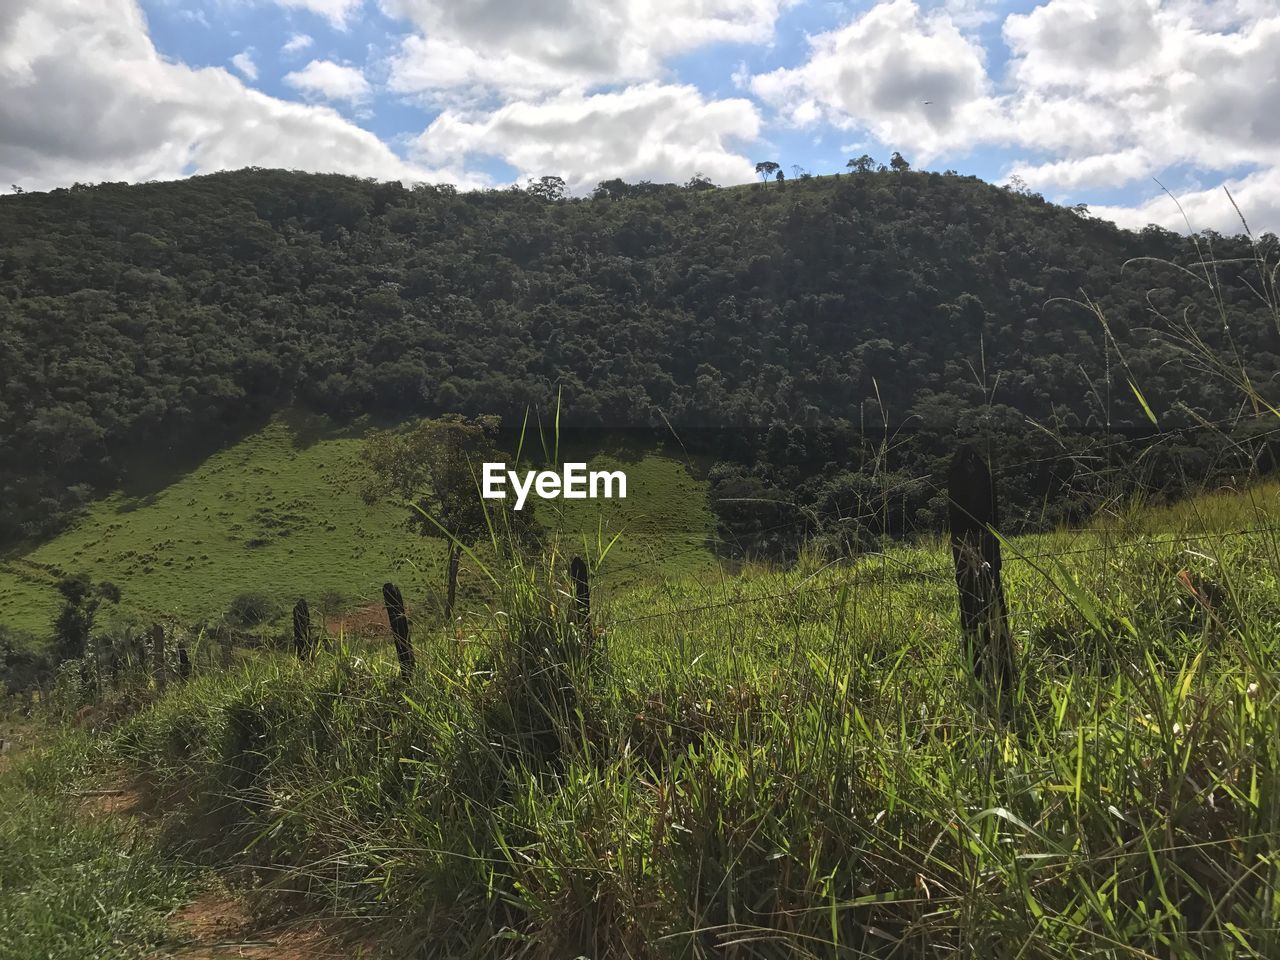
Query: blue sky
[1082, 100]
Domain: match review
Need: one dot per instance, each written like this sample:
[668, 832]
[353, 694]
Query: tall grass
[780, 763]
[796, 768]
[73, 886]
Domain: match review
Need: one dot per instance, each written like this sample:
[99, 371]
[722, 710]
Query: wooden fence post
[226, 647]
[184, 663]
[973, 514]
[302, 630]
[399, 621]
[157, 655]
[581, 589]
[455, 557]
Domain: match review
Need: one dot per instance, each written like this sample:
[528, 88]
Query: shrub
[251, 609]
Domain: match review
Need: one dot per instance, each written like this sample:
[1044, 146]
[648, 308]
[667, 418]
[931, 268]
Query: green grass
[782, 763]
[75, 887]
[279, 513]
[773, 763]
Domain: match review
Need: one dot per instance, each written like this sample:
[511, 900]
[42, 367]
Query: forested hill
[791, 317]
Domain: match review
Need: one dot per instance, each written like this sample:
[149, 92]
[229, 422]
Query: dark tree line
[827, 343]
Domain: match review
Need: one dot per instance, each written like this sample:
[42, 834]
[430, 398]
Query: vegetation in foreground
[778, 764]
[72, 886]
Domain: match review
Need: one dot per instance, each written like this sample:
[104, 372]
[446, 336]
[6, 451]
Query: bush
[331, 602]
[22, 664]
[252, 609]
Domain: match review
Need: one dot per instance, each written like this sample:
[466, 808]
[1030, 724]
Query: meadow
[772, 762]
[279, 514]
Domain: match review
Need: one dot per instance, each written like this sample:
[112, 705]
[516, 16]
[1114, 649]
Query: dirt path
[124, 801]
[219, 924]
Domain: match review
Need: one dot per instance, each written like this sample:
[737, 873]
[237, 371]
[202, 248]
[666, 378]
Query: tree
[614, 189]
[766, 169]
[74, 623]
[547, 188]
[434, 467]
[899, 163]
[862, 164]
[780, 177]
[700, 181]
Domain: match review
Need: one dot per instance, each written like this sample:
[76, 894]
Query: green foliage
[766, 169]
[279, 513]
[434, 467]
[547, 188]
[75, 886]
[913, 306]
[791, 762]
[252, 609]
[22, 664]
[74, 623]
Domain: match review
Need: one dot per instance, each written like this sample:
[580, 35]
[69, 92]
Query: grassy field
[279, 513]
[777, 763]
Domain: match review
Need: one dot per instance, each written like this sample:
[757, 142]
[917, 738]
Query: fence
[976, 575]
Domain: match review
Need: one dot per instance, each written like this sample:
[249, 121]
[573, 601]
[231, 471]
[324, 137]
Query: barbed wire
[921, 572]
[805, 517]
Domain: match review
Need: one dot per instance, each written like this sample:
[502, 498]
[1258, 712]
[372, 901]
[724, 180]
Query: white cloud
[337, 12]
[912, 79]
[968, 14]
[1096, 170]
[296, 43]
[90, 99]
[330, 80]
[1123, 91]
[1257, 195]
[243, 61]
[1096, 94]
[518, 49]
[1106, 94]
[1120, 42]
[648, 131]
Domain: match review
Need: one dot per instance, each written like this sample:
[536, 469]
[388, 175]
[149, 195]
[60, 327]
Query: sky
[1114, 103]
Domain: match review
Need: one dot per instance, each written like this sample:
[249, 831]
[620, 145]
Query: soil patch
[368, 621]
[122, 801]
[218, 925]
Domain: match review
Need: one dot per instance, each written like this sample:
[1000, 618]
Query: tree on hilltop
[547, 188]
[766, 169]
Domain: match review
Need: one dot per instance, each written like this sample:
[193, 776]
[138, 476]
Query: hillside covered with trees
[826, 339]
